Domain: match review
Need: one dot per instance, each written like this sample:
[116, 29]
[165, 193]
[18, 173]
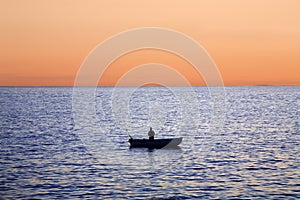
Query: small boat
[154, 144]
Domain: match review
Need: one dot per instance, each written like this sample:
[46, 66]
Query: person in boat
[151, 134]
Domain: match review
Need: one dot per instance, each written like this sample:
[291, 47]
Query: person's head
[150, 128]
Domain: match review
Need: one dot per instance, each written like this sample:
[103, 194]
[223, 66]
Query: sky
[252, 42]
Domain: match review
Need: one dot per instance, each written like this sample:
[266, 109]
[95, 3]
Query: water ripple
[255, 156]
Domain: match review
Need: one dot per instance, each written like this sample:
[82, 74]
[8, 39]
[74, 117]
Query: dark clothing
[151, 138]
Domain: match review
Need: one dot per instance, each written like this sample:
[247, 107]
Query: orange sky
[251, 41]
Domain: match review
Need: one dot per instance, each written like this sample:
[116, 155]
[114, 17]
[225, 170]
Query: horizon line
[258, 85]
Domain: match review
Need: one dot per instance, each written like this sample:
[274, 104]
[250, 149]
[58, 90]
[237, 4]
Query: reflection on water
[255, 156]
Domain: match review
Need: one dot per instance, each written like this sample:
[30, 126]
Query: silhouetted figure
[151, 134]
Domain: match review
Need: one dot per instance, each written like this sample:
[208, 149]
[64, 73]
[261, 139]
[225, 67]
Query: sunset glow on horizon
[44, 43]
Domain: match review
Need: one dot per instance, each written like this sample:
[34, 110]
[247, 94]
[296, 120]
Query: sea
[72, 142]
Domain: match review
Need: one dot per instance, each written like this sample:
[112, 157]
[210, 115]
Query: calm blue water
[245, 146]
